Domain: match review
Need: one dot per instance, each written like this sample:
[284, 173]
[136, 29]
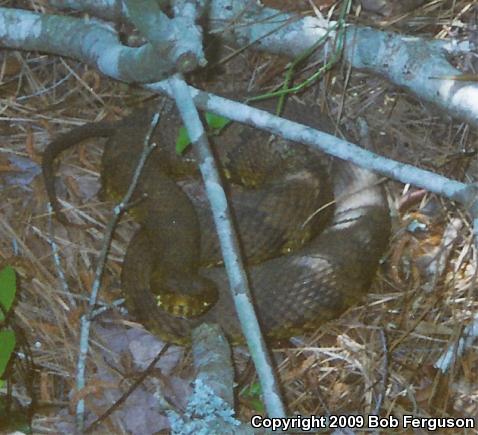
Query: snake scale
[301, 274]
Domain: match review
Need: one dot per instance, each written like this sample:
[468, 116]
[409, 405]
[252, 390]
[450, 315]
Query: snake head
[185, 296]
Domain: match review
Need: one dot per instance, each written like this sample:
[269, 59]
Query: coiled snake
[300, 274]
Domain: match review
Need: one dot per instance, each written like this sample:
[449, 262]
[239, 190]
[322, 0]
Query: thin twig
[129, 391]
[384, 373]
[90, 315]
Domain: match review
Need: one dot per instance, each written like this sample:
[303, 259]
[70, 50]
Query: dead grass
[376, 358]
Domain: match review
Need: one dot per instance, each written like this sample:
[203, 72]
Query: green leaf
[252, 395]
[182, 140]
[2, 383]
[215, 121]
[7, 344]
[8, 286]
[257, 405]
[254, 390]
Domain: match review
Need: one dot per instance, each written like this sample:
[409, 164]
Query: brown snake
[292, 293]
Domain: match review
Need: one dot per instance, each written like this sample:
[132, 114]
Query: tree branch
[413, 63]
[238, 282]
[416, 64]
[92, 42]
[178, 39]
[327, 143]
[211, 406]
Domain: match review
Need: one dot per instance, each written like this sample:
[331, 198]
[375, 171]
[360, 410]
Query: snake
[312, 237]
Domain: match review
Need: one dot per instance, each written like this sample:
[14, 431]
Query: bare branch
[332, 145]
[89, 41]
[413, 63]
[91, 314]
[178, 39]
[229, 247]
[211, 406]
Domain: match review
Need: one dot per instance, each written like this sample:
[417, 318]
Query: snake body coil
[294, 292]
